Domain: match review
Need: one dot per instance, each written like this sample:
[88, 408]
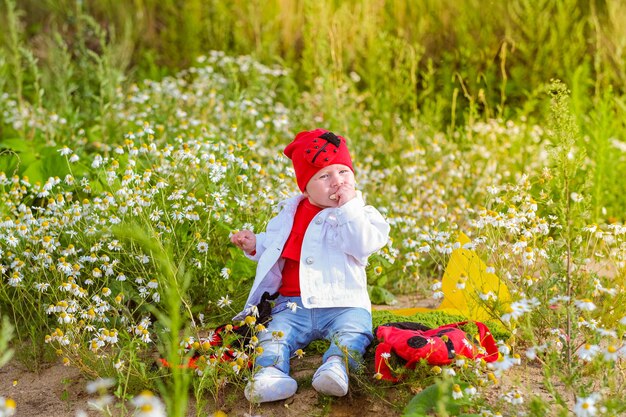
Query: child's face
[325, 184]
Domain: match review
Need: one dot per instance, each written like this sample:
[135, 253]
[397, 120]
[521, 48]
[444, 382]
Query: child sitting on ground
[314, 253]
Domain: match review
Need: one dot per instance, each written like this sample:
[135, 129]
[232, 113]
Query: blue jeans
[349, 330]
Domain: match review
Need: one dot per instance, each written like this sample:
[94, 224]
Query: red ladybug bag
[413, 342]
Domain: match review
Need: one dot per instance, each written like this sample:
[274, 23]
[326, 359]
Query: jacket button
[319, 221]
[309, 260]
[312, 300]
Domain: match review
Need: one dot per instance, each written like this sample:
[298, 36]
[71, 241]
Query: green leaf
[431, 398]
[382, 279]
[55, 165]
[17, 144]
[34, 172]
[9, 162]
[379, 295]
[424, 401]
[38, 163]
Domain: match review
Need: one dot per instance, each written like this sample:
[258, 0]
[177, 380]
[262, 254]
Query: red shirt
[290, 286]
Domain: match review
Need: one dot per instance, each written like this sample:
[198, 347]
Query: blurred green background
[440, 64]
[413, 57]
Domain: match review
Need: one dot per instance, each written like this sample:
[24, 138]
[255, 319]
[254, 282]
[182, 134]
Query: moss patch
[435, 319]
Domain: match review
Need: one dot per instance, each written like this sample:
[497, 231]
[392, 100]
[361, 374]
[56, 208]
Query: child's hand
[245, 240]
[344, 193]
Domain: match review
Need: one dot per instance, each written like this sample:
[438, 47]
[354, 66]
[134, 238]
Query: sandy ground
[60, 391]
[55, 391]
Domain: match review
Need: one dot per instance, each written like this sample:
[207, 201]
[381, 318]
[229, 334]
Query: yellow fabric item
[465, 266]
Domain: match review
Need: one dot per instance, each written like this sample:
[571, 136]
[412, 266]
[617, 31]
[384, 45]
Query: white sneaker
[270, 384]
[331, 378]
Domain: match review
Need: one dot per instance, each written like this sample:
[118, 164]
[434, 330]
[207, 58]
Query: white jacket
[335, 249]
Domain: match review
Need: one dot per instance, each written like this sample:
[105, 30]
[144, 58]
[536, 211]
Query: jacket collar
[290, 205]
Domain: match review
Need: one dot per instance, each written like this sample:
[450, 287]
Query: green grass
[130, 152]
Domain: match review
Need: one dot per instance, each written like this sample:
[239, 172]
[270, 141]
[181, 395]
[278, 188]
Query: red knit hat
[315, 149]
